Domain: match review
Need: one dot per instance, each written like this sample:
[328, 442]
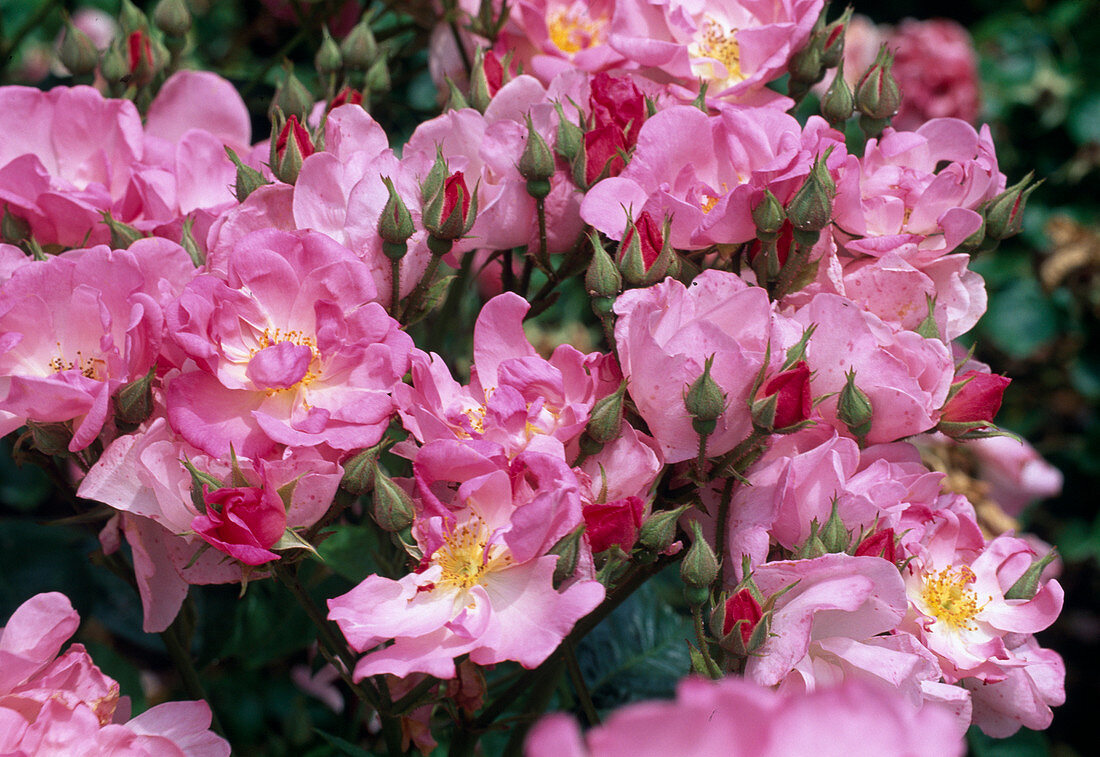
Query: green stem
[537, 702]
[507, 273]
[181, 660]
[701, 459]
[723, 524]
[525, 277]
[544, 254]
[704, 647]
[333, 649]
[395, 288]
[577, 677]
[421, 287]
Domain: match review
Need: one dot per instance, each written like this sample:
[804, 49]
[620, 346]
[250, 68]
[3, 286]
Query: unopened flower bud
[805, 65]
[739, 615]
[832, 48]
[877, 93]
[972, 403]
[486, 77]
[810, 210]
[14, 229]
[879, 544]
[606, 418]
[853, 407]
[659, 530]
[699, 567]
[134, 401]
[975, 240]
[784, 400]
[392, 508]
[115, 65]
[248, 178]
[834, 536]
[359, 49]
[328, 59]
[1004, 215]
[141, 64]
[645, 253]
[190, 246]
[292, 146]
[570, 139]
[768, 215]
[122, 234]
[838, 104]
[359, 472]
[602, 280]
[78, 53]
[130, 18]
[395, 224]
[292, 98]
[705, 401]
[1027, 585]
[536, 164]
[378, 76]
[451, 212]
[433, 182]
[928, 328]
[568, 550]
[172, 17]
[455, 99]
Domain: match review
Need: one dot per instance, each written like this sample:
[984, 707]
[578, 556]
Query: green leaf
[342, 746]
[1021, 320]
[639, 652]
[1023, 743]
[349, 552]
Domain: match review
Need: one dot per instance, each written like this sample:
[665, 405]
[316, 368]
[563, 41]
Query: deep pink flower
[243, 522]
[742, 606]
[881, 543]
[294, 130]
[936, 68]
[792, 391]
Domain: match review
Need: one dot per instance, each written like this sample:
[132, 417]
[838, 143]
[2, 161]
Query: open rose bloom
[405, 417]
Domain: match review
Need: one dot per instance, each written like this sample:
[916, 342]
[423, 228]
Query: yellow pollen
[707, 203]
[92, 367]
[465, 555]
[572, 30]
[947, 597]
[477, 418]
[271, 337]
[719, 44]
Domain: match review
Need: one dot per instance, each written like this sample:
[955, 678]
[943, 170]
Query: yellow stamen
[465, 556]
[717, 43]
[92, 367]
[571, 30]
[946, 596]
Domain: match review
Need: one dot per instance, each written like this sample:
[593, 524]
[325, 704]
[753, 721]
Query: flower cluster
[218, 335]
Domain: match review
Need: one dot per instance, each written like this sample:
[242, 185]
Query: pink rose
[243, 522]
[613, 523]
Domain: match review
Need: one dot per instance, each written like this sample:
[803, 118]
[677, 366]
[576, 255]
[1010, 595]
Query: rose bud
[244, 522]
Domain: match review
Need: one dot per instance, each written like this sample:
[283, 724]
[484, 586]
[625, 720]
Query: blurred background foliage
[1040, 64]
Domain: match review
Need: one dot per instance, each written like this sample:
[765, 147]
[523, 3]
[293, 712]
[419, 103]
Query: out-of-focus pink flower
[1015, 472]
[52, 704]
[733, 717]
[936, 68]
[485, 585]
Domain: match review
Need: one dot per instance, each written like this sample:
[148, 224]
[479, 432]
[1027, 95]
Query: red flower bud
[244, 522]
[141, 61]
[649, 237]
[346, 96]
[742, 606]
[603, 149]
[879, 544]
[613, 523]
[455, 193]
[615, 100]
[975, 397]
[792, 391]
[301, 137]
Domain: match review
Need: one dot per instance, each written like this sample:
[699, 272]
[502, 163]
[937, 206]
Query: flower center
[716, 43]
[92, 367]
[271, 337]
[947, 597]
[465, 555]
[571, 30]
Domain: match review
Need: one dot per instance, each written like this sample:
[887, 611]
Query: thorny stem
[723, 523]
[395, 288]
[421, 287]
[701, 639]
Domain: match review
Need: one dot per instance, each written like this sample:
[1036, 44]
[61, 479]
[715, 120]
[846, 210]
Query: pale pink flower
[52, 704]
[736, 47]
[515, 397]
[1017, 475]
[1034, 683]
[484, 586]
[551, 36]
[74, 164]
[290, 349]
[905, 376]
[76, 327]
[956, 585]
[708, 172]
[665, 334]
